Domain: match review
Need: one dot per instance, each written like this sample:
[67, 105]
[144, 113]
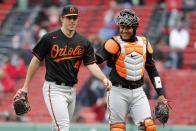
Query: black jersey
[63, 55]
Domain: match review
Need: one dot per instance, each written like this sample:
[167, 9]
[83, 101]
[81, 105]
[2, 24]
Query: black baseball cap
[69, 10]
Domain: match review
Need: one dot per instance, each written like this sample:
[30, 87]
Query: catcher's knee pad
[117, 127]
[147, 125]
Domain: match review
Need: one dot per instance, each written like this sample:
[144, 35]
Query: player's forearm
[33, 67]
[96, 71]
[153, 74]
[155, 79]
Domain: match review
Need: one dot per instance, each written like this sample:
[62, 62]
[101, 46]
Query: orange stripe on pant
[53, 110]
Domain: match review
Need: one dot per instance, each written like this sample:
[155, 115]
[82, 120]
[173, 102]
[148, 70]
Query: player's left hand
[162, 99]
[162, 109]
[107, 83]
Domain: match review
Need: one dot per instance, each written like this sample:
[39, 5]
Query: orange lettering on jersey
[70, 52]
[59, 54]
[77, 65]
[61, 50]
[54, 51]
[64, 51]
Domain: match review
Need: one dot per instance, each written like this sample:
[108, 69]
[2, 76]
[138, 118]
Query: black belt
[63, 84]
[126, 86]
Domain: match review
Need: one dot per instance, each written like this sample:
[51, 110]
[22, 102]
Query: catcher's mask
[127, 17]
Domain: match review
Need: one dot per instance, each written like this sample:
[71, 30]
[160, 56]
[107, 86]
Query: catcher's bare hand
[107, 83]
[162, 99]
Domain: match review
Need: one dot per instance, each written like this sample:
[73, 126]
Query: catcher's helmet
[127, 17]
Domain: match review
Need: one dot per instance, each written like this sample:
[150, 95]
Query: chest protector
[131, 61]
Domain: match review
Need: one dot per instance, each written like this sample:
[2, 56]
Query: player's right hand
[19, 92]
[107, 83]
[21, 103]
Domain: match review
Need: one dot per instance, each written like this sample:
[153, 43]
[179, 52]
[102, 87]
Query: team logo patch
[71, 10]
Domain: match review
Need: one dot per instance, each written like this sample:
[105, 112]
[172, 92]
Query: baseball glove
[162, 112]
[21, 103]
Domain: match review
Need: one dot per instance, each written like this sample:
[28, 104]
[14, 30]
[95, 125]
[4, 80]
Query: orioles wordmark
[57, 52]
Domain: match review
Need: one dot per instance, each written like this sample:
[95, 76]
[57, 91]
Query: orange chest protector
[131, 61]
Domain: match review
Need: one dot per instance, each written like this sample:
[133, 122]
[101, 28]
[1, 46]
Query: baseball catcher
[130, 55]
[21, 103]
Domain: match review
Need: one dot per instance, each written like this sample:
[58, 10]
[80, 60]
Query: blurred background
[170, 26]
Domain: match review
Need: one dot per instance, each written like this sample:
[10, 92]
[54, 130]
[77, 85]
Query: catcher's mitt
[21, 103]
[162, 112]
